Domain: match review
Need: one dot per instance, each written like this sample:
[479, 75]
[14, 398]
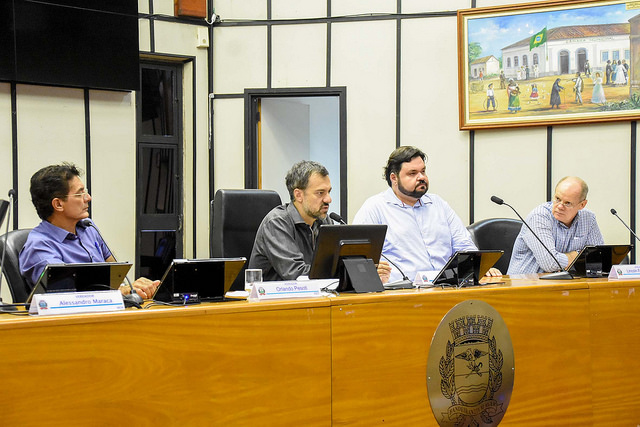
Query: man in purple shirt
[62, 201]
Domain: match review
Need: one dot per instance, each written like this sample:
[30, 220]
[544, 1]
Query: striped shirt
[529, 256]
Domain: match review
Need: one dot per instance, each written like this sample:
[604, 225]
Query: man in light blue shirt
[563, 225]
[423, 231]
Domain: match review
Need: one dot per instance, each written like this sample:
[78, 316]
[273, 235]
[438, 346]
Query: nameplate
[625, 271]
[285, 289]
[76, 302]
[425, 277]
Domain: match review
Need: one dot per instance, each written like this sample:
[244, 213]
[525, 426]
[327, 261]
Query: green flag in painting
[538, 39]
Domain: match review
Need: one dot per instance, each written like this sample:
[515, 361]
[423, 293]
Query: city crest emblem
[470, 369]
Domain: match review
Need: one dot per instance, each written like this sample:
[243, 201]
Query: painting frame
[530, 61]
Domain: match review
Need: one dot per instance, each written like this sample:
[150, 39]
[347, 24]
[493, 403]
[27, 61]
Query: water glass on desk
[251, 276]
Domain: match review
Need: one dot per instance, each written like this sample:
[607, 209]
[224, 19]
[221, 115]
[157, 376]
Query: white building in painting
[486, 65]
[567, 49]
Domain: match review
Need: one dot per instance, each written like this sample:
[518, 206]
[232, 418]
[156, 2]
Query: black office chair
[496, 233]
[235, 218]
[17, 285]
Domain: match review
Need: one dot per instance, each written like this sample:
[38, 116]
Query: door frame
[251, 98]
[157, 141]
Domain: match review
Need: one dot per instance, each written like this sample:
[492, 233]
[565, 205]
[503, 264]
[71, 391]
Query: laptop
[466, 268]
[189, 281]
[80, 277]
[596, 261]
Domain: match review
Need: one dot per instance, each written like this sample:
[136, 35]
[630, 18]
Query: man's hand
[143, 287]
[493, 272]
[384, 271]
[571, 256]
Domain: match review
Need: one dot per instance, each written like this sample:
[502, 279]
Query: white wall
[363, 57]
[285, 140]
[324, 141]
[298, 128]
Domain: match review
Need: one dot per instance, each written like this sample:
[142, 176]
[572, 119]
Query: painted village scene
[583, 60]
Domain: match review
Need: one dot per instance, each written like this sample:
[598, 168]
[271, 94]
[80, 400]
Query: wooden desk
[217, 364]
[381, 344]
[351, 360]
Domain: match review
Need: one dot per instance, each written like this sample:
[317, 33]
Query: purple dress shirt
[48, 244]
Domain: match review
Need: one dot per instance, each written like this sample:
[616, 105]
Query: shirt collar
[57, 233]
[293, 211]
[297, 218]
[390, 197]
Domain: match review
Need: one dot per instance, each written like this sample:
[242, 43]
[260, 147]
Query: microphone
[405, 283]
[4, 209]
[560, 275]
[337, 218]
[133, 298]
[613, 211]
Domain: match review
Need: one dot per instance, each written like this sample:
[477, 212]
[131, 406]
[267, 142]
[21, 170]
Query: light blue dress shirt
[420, 237]
[529, 256]
[48, 244]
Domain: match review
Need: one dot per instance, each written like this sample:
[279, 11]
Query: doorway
[581, 59]
[158, 168]
[284, 126]
[564, 62]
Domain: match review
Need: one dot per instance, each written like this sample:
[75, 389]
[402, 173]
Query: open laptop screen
[596, 261]
[466, 268]
[90, 276]
[193, 280]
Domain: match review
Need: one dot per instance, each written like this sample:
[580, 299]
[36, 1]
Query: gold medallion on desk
[470, 369]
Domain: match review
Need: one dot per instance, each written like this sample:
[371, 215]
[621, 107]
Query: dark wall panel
[61, 44]
[7, 51]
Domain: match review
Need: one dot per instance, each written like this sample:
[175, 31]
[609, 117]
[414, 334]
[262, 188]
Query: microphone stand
[133, 299]
[613, 211]
[559, 275]
[6, 307]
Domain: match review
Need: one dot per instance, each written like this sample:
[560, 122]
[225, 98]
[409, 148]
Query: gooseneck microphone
[560, 275]
[614, 212]
[133, 298]
[405, 283]
[5, 208]
[337, 218]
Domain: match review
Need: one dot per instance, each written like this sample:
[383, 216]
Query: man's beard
[416, 194]
[316, 214]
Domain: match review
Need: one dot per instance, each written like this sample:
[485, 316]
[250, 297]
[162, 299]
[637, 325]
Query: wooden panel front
[198, 367]
[615, 343]
[381, 345]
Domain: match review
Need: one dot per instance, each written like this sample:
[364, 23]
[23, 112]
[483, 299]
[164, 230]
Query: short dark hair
[299, 174]
[399, 156]
[51, 182]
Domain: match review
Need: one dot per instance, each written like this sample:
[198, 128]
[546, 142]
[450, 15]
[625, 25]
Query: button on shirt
[419, 237]
[48, 244]
[284, 244]
[529, 256]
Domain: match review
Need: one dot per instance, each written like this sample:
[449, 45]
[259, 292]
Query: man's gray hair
[299, 174]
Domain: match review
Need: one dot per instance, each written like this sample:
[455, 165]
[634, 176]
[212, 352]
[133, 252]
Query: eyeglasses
[84, 194]
[567, 205]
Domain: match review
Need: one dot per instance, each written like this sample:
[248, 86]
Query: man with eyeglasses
[61, 201]
[563, 224]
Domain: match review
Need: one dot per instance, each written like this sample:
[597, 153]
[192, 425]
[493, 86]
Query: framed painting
[540, 64]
